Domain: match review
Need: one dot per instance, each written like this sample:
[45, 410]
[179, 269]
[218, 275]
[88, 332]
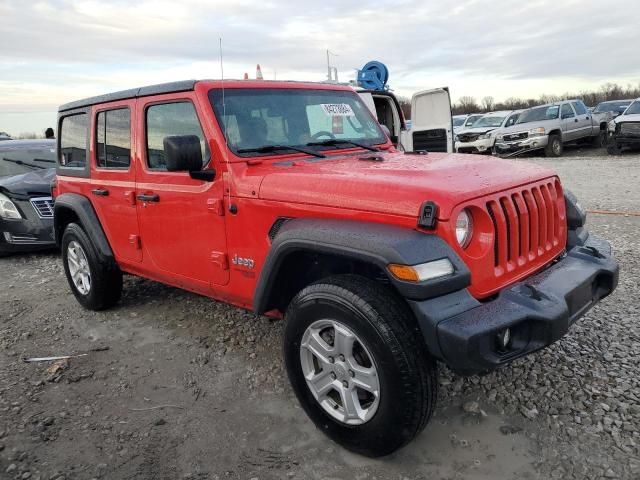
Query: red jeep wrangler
[288, 199]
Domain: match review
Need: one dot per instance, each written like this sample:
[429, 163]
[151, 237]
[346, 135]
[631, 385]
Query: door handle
[148, 197]
[101, 192]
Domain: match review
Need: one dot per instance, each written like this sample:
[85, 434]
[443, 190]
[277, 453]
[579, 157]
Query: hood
[525, 127]
[477, 130]
[32, 183]
[398, 185]
[635, 117]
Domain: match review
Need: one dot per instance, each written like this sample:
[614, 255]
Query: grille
[43, 206]
[430, 140]
[527, 227]
[515, 136]
[628, 128]
[468, 138]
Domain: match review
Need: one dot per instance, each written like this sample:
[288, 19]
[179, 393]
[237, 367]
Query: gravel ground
[177, 386]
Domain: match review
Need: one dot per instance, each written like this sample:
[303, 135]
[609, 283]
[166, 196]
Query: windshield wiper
[20, 162]
[273, 148]
[44, 160]
[336, 141]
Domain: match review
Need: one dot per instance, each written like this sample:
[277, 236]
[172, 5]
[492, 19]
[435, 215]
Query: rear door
[112, 186]
[181, 219]
[431, 123]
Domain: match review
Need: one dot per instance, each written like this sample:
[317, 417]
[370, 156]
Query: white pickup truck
[552, 126]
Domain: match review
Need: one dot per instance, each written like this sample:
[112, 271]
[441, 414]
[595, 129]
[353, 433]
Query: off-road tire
[106, 278]
[614, 149]
[554, 148]
[406, 372]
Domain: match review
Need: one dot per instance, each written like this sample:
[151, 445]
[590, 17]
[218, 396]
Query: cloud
[58, 50]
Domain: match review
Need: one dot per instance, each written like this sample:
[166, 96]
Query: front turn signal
[422, 272]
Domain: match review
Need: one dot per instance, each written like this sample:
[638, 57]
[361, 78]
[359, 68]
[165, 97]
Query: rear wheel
[356, 361]
[554, 148]
[96, 286]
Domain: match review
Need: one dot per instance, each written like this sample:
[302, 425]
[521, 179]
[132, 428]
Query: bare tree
[488, 103]
[467, 104]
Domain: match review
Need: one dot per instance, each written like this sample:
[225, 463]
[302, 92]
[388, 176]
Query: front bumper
[478, 146]
[462, 331]
[621, 140]
[30, 233]
[533, 143]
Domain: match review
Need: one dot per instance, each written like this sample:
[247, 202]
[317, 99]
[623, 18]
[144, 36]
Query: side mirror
[184, 154]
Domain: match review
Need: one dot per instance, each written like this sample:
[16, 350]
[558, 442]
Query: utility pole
[332, 72]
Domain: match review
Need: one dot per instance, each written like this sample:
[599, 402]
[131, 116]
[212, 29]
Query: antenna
[224, 105]
[224, 121]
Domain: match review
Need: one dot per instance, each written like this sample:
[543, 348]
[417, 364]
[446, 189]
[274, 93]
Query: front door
[112, 187]
[584, 125]
[569, 122]
[181, 218]
[431, 122]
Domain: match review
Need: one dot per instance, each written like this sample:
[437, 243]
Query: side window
[73, 141]
[113, 139]
[567, 111]
[580, 108]
[168, 119]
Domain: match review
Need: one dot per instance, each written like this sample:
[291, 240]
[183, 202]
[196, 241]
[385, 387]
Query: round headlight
[464, 228]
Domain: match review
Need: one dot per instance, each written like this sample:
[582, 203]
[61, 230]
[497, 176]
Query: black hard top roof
[171, 87]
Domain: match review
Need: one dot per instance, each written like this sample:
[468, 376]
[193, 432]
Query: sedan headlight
[464, 228]
[456, 138]
[612, 126]
[484, 136]
[8, 209]
[537, 132]
[499, 138]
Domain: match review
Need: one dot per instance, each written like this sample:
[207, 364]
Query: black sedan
[26, 208]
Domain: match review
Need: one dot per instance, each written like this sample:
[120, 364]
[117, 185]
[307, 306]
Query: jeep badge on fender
[379, 269]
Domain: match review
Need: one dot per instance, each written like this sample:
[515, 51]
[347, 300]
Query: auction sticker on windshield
[337, 109]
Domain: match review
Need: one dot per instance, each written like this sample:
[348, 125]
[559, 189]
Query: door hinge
[220, 259]
[135, 241]
[216, 205]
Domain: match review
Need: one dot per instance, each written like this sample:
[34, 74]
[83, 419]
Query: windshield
[458, 121]
[18, 159]
[615, 107]
[471, 119]
[489, 121]
[255, 118]
[634, 109]
[538, 114]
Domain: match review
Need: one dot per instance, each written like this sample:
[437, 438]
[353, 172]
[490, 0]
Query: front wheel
[96, 286]
[554, 148]
[600, 140]
[614, 148]
[357, 364]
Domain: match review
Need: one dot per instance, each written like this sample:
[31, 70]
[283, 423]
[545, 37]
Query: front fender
[375, 243]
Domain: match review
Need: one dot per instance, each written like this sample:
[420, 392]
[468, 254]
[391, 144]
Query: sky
[55, 51]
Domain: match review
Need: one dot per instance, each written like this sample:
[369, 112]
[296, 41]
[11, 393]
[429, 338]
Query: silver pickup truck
[551, 126]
